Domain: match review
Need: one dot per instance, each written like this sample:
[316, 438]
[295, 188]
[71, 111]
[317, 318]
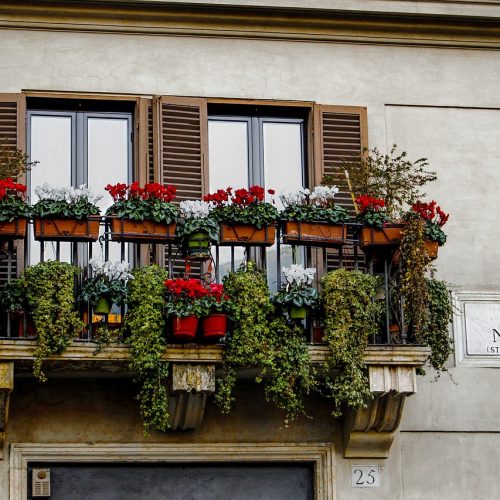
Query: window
[257, 148]
[79, 147]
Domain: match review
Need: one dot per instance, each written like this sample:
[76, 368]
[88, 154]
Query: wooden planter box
[247, 235]
[431, 248]
[13, 230]
[314, 234]
[61, 229]
[388, 236]
[146, 231]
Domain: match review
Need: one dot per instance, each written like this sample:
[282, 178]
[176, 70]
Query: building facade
[422, 75]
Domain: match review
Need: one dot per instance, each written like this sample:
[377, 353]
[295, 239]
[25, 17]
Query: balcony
[391, 357]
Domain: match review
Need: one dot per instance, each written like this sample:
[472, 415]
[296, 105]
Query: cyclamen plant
[217, 301]
[243, 206]
[12, 200]
[151, 202]
[434, 219]
[109, 280]
[313, 206]
[69, 202]
[185, 297]
[297, 289]
[371, 211]
[196, 217]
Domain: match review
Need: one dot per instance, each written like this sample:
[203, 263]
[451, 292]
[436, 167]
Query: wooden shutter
[340, 133]
[181, 127]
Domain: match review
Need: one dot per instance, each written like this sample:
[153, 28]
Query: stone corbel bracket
[369, 432]
[190, 386]
[6, 386]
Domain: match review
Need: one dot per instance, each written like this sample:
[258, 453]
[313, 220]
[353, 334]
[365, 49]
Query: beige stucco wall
[425, 99]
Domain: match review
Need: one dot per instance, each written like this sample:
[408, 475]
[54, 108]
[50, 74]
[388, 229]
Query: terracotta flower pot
[15, 229]
[214, 326]
[314, 234]
[297, 312]
[388, 236]
[184, 328]
[431, 248]
[61, 229]
[141, 231]
[247, 235]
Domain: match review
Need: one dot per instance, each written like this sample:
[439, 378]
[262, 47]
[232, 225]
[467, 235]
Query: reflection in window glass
[107, 162]
[229, 166]
[283, 172]
[51, 146]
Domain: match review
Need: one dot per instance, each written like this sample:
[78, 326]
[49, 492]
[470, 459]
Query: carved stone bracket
[369, 432]
[6, 386]
[190, 386]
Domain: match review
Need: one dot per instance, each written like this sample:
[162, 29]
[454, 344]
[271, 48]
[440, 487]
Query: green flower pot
[198, 244]
[103, 306]
[298, 312]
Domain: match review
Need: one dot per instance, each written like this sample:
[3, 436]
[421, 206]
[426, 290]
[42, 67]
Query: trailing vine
[350, 316]
[275, 346]
[49, 288]
[146, 325]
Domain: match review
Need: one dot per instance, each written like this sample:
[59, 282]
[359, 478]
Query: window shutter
[182, 153]
[13, 135]
[340, 133]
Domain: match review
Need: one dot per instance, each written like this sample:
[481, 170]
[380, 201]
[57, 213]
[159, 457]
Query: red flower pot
[214, 326]
[184, 328]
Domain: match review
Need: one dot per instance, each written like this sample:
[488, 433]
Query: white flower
[112, 270]
[195, 209]
[298, 197]
[67, 194]
[322, 195]
[297, 275]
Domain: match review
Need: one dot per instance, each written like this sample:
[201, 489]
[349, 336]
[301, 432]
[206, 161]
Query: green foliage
[137, 208]
[13, 162]
[350, 317]
[13, 296]
[434, 232]
[391, 176]
[49, 292]
[12, 207]
[375, 218]
[146, 324]
[314, 213]
[256, 214]
[276, 347]
[437, 335]
[299, 296]
[79, 209]
[208, 225]
[413, 287]
[116, 291]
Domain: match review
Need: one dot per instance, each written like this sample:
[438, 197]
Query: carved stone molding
[190, 386]
[369, 432]
[6, 386]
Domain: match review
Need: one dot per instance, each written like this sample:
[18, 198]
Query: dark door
[180, 482]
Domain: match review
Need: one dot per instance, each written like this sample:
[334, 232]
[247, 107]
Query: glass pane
[108, 163]
[283, 171]
[51, 146]
[228, 166]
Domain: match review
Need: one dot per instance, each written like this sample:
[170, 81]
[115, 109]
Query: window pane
[283, 171]
[108, 161]
[229, 166]
[51, 146]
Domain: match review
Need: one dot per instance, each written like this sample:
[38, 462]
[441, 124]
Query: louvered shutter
[183, 154]
[340, 133]
[12, 134]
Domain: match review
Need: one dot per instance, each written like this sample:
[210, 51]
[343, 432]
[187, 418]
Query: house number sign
[365, 476]
[478, 329]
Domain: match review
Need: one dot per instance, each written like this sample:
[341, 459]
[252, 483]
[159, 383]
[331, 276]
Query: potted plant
[377, 230]
[106, 286]
[434, 219]
[244, 216]
[14, 210]
[197, 229]
[66, 214]
[297, 294]
[312, 218]
[139, 214]
[184, 304]
[218, 307]
[14, 302]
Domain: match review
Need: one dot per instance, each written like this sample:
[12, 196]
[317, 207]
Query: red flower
[430, 212]
[9, 187]
[271, 191]
[366, 202]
